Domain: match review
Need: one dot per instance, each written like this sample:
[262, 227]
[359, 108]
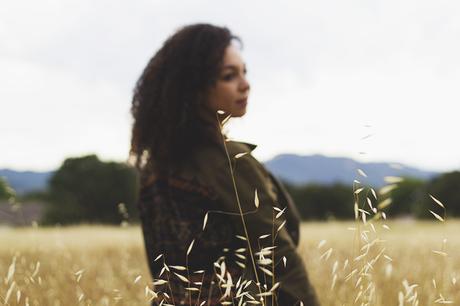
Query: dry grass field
[406, 263]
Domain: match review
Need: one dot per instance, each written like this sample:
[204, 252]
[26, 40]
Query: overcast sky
[370, 80]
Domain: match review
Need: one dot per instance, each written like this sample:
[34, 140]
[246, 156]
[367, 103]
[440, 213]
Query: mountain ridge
[321, 169]
[292, 168]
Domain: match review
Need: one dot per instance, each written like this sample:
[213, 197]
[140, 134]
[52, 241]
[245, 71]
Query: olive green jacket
[214, 166]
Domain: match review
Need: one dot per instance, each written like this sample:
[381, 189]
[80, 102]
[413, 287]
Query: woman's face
[230, 93]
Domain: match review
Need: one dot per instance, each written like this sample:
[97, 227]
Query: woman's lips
[242, 102]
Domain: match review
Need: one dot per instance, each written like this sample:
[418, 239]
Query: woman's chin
[239, 113]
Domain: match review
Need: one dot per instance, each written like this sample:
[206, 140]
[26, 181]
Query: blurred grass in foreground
[100, 265]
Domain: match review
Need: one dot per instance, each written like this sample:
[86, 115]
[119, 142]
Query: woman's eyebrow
[233, 67]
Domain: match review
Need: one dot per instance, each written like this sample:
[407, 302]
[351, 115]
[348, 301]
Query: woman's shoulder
[207, 165]
[209, 162]
[215, 157]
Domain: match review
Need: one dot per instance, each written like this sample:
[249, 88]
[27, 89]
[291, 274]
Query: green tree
[323, 201]
[85, 189]
[406, 198]
[6, 192]
[445, 188]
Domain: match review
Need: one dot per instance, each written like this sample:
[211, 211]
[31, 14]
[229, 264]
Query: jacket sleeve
[250, 176]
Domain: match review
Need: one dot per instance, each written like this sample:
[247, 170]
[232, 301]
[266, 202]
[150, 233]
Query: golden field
[403, 263]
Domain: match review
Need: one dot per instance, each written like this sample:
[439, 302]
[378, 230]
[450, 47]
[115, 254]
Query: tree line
[88, 190]
[410, 197]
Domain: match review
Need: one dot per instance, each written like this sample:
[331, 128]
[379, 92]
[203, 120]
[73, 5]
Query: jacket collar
[235, 147]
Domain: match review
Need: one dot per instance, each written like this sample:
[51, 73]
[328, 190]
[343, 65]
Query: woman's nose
[244, 85]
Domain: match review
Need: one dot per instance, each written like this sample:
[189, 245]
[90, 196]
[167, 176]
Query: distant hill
[288, 167]
[328, 170]
[26, 181]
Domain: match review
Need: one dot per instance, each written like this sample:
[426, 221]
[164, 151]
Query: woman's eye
[228, 77]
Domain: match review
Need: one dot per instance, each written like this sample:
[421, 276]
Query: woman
[218, 227]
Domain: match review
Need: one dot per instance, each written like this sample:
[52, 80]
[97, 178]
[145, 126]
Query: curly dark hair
[170, 93]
